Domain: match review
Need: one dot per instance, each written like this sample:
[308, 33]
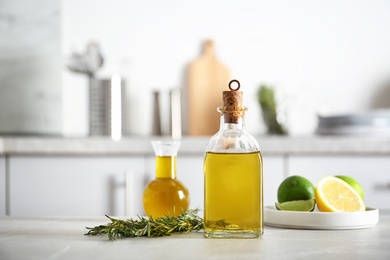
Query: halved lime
[296, 205]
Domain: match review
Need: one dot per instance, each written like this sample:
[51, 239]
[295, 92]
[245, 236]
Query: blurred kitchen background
[321, 57]
[71, 68]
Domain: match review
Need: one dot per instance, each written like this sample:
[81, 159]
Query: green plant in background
[266, 98]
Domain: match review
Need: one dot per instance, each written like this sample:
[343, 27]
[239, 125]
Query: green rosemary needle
[163, 226]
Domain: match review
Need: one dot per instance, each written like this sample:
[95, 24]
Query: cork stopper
[232, 103]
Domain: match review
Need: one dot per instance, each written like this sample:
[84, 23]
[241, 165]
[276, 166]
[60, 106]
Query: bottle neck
[166, 167]
[227, 125]
[232, 136]
[232, 119]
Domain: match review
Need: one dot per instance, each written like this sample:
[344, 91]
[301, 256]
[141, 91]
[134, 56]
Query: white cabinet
[274, 174]
[372, 172]
[73, 186]
[3, 186]
[190, 173]
[95, 185]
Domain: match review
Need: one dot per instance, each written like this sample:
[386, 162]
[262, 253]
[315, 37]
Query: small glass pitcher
[165, 195]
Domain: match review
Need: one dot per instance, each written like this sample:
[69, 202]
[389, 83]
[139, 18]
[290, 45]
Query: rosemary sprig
[163, 226]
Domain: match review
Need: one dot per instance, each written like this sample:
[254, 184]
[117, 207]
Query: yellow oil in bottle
[233, 193]
[165, 194]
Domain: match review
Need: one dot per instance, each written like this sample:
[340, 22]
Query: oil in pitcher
[165, 195]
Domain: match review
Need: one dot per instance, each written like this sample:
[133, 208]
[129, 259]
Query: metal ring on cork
[238, 85]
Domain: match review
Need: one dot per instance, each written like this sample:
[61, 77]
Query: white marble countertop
[62, 238]
[191, 145]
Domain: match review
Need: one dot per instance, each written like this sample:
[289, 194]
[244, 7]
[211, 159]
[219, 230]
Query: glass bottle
[165, 195]
[233, 176]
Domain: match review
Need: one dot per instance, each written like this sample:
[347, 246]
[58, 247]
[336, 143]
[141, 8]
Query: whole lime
[353, 183]
[295, 188]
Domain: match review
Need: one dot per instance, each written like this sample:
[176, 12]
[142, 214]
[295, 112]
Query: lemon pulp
[333, 194]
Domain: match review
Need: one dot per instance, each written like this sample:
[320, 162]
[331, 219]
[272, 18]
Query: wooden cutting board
[206, 79]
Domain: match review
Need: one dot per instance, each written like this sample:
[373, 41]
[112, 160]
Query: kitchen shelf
[274, 145]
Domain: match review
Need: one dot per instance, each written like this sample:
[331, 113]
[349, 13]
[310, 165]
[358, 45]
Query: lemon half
[335, 195]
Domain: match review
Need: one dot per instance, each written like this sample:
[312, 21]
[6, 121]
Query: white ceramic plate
[320, 220]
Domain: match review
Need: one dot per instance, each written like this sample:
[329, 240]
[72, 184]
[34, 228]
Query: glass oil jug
[165, 195]
[233, 175]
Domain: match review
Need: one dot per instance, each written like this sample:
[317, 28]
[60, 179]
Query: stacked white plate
[375, 122]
